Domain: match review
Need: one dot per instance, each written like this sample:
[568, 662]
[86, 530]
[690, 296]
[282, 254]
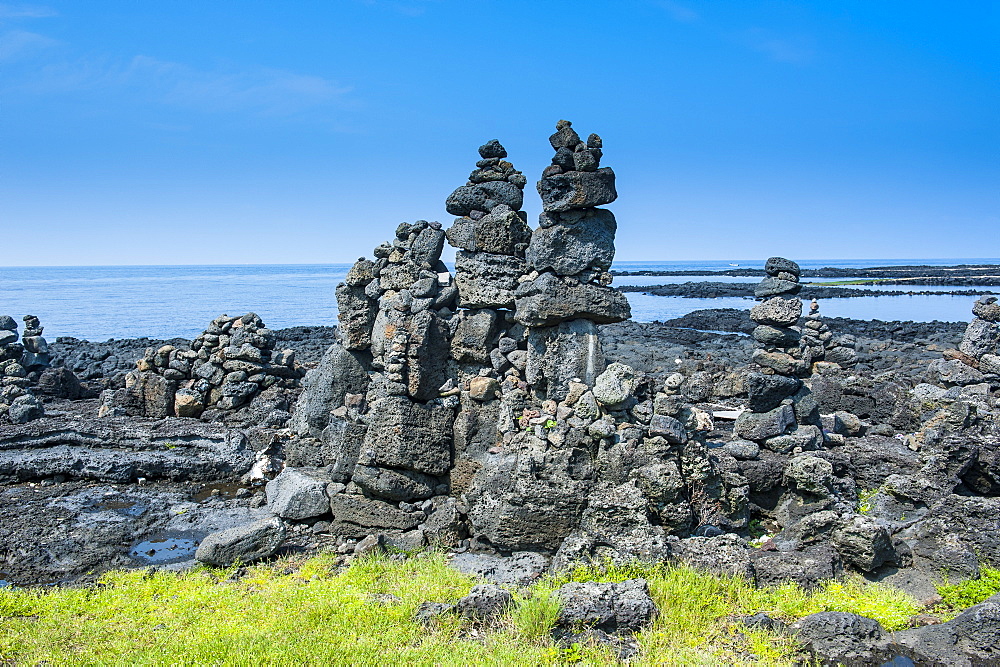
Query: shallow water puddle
[164, 549]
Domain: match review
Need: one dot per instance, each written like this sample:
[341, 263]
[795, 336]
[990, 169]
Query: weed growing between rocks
[311, 611]
[957, 597]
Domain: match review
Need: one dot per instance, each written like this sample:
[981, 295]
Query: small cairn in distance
[17, 403]
[783, 414]
[825, 351]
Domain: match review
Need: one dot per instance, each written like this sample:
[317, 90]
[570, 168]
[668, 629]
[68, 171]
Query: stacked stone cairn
[822, 347]
[480, 411]
[17, 403]
[783, 415]
[977, 359]
[35, 357]
[567, 292]
[224, 368]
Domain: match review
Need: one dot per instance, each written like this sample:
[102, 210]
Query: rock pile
[35, 358]
[783, 415]
[976, 360]
[567, 290]
[17, 402]
[222, 369]
[820, 345]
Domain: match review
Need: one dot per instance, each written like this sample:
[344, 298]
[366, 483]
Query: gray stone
[484, 197]
[340, 372]
[985, 308]
[474, 334]
[408, 435]
[623, 607]
[775, 265]
[840, 638]
[501, 232]
[970, 639]
[766, 392]
[772, 286]
[577, 189]
[777, 311]
[358, 517]
[558, 355]
[356, 316]
[7, 323]
[296, 494]
[531, 500]
[426, 248]
[519, 569]
[981, 337]
[576, 242]
[863, 543]
[24, 409]
[548, 300]
[760, 426]
[776, 336]
[393, 484]
[615, 385]
[810, 475]
[806, 437]
[242, 544]
[485, 602]
[742, 450]
[485, 280]
[669, 428]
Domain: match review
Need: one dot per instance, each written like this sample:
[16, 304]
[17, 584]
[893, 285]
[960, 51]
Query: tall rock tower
[566, 291]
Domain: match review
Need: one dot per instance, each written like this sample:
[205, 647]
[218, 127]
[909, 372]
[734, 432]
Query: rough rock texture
[242, 544]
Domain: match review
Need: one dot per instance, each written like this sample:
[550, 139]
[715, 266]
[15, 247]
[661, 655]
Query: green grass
[311, 612]
[835, 283]
[956, 597]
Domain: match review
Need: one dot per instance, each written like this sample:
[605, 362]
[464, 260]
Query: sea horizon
[178, 301]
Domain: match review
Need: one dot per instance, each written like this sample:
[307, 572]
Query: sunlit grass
[312, 612]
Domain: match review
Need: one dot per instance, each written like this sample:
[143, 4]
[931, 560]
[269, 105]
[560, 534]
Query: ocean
[102, 302]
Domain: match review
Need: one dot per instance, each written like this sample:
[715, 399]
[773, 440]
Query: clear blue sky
[185, 132]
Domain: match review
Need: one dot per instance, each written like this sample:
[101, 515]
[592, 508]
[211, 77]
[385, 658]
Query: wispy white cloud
[8, 11]
[15, 44]
[794, 50]
[264, 91]
[677, 11]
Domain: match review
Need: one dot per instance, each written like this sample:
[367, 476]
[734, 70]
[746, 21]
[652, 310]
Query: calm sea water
[102, 302]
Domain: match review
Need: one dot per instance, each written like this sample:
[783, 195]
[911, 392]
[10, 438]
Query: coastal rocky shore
[510, 413]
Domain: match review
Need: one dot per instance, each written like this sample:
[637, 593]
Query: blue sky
[304, 132]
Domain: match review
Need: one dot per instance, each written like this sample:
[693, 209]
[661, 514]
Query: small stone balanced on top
[783, 414]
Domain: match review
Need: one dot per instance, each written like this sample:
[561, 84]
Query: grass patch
[312, 612]
[835, 283]
[957, 597]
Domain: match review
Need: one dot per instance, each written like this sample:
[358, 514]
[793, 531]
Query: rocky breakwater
[783, 416]
[223, 369]
[19, 362]
[976, 361]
